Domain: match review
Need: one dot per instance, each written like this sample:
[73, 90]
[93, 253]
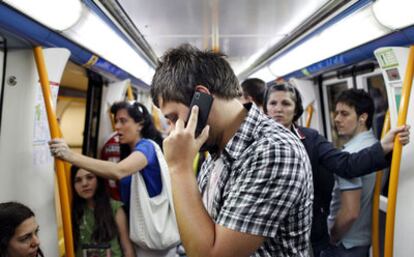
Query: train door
[332, 88]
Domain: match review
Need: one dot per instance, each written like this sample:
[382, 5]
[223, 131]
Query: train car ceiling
[347, 38]
[264, 37]
[242, 29]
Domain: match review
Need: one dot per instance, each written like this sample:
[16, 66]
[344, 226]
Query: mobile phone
[204, 102]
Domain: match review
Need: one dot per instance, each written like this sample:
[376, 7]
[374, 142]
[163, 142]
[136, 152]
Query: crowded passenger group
[269, 186]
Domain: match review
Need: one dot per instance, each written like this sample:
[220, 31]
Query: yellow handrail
[130, 93]
[55, 133]
[396, 157]
[309, 111]
[375, 241]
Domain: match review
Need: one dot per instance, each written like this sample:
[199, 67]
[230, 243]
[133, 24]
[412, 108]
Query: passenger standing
[18, 231]
[253, 91]
[283, 103]
[254, 192]
[349, 220]
[134, 126]
[97, 220]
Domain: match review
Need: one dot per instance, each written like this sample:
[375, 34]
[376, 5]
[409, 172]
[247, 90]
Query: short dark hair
[181, 69]
[12, 214]
[255, 88]
[295, 95]
[360, 101]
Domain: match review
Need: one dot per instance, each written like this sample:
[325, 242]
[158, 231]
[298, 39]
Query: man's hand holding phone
[181, 146]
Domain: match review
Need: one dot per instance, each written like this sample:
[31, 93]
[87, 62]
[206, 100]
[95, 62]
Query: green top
[86, 230]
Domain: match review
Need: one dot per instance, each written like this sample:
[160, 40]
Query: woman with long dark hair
[151, 174]
[98, 222]
[18, 231]
[142, 158]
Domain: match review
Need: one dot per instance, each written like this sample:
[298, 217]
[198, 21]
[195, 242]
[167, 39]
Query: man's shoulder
[360, 142]
[270, 131]
[273, 145]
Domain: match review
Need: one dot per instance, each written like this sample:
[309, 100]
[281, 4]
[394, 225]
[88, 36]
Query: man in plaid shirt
[254, 194]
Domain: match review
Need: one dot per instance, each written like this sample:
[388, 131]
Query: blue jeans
[341, 251]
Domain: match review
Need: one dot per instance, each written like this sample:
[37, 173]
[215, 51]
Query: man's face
[346, 120]
[173, 111]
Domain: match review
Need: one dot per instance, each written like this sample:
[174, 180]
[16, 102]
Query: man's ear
[202, 89]
[363, 117]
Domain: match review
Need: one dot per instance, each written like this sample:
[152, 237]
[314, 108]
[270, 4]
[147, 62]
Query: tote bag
[152, 223]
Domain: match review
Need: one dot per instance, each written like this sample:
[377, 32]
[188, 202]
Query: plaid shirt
[265, 188]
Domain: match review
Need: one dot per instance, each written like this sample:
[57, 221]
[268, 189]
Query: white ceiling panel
[242, 29]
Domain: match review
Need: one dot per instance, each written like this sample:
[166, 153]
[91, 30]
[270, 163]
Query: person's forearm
[197, 230]
[129, 250]
[100, 168]
[343, 222]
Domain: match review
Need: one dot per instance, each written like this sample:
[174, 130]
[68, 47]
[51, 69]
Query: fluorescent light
[94, 34]
[350, 32]
[394, 14]
[57, 15]
[264, 74]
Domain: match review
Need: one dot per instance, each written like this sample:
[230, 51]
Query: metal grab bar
[396, 157]
[130, 93]
[309, 111]
[375, 241]
[60, 166]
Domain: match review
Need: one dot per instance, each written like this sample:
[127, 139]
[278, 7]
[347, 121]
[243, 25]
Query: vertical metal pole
[376, 198]
[60, 167]
[130, 93]
[396, 157]
[309, 111]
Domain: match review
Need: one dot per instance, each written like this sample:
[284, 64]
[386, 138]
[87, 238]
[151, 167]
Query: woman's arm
[123, 232]
[134, 162]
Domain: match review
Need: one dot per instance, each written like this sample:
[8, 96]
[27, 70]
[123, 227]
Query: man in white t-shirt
[349, 221]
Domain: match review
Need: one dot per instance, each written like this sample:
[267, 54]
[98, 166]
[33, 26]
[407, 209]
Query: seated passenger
[254, 191]
[283, 103]
[18, 231]
[349, 220]
[97, 220]
[253, 91]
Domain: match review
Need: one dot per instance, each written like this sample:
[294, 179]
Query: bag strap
[165, 174]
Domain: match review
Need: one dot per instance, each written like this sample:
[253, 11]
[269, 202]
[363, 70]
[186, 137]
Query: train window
[332, 93]
[376, 89]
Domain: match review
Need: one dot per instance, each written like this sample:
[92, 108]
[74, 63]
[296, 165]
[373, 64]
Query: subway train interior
[91, 53]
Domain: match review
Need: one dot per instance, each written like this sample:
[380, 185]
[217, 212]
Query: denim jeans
[341, 251]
